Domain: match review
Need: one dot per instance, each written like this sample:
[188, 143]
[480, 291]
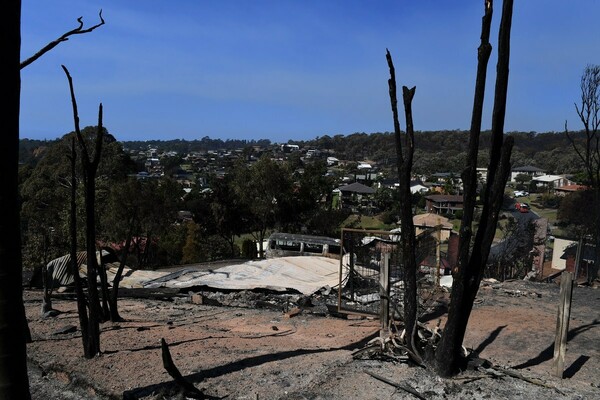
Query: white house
[551, 181]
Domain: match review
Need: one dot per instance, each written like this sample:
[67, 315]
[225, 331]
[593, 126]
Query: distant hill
[436, 151]
[186, 146]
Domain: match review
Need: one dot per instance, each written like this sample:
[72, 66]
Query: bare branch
[394, 103]
[85, 157]
[407, 95]
[99, 135]
[188, 388]
[469, 175]
[589, 114]
[63, 38]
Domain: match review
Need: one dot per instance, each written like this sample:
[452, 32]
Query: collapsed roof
[303, 274]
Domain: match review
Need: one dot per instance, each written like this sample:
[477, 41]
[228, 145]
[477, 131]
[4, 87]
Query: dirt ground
[251, 349]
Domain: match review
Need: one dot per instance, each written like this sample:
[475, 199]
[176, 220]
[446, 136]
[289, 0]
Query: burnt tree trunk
[104, 288]
[47, 289]
[472, 263]
[408, 241]
[114, 310]
[473, 253]
[14, 383]
[82, 309]
[90, 166]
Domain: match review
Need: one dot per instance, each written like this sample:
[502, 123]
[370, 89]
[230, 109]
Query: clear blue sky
[282, 69]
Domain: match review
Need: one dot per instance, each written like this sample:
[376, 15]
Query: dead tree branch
[189, 389]
[63, 38]
[401, 386]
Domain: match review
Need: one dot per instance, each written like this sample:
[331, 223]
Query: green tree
[577, 213]
[158, 213]
[170, 247]
[121, 223]
[227, 212]
[192, 251]
[45, 193]
[523, 179]
[264, 188]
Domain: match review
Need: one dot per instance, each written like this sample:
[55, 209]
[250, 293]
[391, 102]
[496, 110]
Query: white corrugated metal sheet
[304, 274]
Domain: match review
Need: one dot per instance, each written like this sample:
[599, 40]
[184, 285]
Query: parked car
[522, 207]
[520, 193]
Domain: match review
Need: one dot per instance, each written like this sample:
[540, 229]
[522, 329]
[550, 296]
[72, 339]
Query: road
[512, 242]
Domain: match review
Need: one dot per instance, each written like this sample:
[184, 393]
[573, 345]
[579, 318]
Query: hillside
[435, 151]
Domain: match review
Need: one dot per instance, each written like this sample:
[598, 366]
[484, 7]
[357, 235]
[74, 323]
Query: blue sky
[282, 69]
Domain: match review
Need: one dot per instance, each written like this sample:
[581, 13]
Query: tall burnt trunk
[90, 166]
[448, 358]
[404, 154]
[82, 309]
[14, 383]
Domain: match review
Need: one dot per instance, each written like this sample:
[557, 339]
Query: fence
[371, 271]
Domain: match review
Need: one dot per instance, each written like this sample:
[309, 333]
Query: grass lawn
[367, 222]
[548, 213]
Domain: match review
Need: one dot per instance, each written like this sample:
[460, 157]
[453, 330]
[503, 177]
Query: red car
[522, 207]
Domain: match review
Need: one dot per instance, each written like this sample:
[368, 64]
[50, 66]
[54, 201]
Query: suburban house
[356, 196]
[564, 190]
[547, 182]
[416, 186]
[366, 178]
[443, 203]
[526, 170]
[428, 221]
[388, 183]
[331, 161]
[564, 256]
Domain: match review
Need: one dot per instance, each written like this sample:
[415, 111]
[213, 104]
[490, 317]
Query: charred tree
[404, 153]
[474, 248]
[90, 166]
[62, 38]
[14, 382]
[82, 302]
[473, 256]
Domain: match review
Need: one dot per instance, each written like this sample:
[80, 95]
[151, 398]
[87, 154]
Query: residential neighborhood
[300, 200]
